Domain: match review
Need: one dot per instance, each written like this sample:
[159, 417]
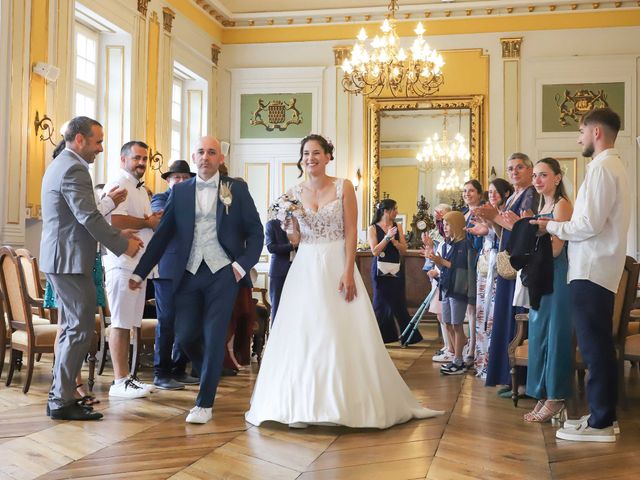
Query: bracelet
[388, 238]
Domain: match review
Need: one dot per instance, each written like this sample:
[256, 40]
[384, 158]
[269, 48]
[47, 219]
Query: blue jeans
[168, 357]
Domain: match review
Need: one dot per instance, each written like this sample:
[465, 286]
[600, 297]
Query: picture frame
[401, 219]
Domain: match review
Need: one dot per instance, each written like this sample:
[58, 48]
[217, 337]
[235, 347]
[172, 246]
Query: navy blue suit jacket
[158, 203]
[239, 232]
[279, 247]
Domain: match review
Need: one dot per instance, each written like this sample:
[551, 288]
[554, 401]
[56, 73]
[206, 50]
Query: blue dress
[389, 297]
[504, 315]
[550, 333]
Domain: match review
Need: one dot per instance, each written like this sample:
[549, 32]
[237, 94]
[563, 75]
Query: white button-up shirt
[597, 231]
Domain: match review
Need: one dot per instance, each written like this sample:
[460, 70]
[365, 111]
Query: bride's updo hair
[325, 144]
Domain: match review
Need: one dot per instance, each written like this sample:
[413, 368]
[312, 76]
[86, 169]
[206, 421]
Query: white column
[14, 88]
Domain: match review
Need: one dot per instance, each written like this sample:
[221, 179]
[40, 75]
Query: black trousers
[592, 312]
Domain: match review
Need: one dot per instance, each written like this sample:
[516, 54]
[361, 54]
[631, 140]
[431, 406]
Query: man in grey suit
[71, 226]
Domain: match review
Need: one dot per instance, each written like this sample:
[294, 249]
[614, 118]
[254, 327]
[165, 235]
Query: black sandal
[87, 400]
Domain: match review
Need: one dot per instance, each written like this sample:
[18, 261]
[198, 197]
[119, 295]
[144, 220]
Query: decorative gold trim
[142, 7]
[511, 47]
[215, 54]
[46, 125]
[276, 114]
[340, 53]
[373, 107]
[167, 18]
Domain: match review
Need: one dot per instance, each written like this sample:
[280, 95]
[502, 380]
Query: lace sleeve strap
[294, 192]
[339, 185]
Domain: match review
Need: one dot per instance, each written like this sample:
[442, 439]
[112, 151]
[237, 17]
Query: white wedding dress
[325, 362]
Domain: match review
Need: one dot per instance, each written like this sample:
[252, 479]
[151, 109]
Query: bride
[325, 362]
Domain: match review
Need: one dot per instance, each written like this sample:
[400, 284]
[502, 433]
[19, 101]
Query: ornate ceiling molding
[167, 19]
[411, 13]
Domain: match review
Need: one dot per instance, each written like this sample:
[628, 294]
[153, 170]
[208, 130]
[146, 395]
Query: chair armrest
[35, 302]
[265, 298]
[522, 320]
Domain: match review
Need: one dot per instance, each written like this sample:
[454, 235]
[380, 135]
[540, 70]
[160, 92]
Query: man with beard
[127, 306]
[597, 235]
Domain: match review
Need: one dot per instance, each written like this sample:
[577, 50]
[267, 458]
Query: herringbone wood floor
[481, 436]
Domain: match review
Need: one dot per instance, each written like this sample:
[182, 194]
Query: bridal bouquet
[283, 208]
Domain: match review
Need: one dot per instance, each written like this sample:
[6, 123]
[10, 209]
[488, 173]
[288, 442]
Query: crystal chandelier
[450, 157]
[388, 66]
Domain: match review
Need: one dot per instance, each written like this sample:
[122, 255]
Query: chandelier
[450, 157]
[388, 66]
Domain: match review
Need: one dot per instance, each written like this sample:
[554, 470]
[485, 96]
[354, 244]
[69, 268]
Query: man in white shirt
[126, 305]
[597, 235]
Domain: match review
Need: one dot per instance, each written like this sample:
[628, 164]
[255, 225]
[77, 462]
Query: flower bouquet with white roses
[283, 208]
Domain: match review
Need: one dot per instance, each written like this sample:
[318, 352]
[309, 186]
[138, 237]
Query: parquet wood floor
[481, 437]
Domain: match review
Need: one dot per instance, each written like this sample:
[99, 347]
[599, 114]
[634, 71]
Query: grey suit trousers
[76, 296]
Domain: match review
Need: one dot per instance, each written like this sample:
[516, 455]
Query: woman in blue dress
[550, 349]
[523, 202]
[388, 244]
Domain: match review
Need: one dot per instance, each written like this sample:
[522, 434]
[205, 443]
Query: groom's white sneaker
[199, 415]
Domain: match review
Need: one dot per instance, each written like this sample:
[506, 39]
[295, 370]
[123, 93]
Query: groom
[218, 238]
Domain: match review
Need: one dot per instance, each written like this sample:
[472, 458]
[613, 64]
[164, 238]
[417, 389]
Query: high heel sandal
[535, 410]
[553, 410]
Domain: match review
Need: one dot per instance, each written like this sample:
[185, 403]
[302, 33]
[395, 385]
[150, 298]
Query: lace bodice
[325, 225]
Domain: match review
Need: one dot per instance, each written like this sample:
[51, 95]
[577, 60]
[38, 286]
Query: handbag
[388, 268]
[482, 266]
[503, 264]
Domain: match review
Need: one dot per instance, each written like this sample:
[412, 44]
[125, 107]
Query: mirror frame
[374, 107]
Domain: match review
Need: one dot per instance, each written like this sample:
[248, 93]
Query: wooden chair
[624, 300]
[27, 336]
[262, 331]
[5, 329]
[33, 280]
[625, 296]
[143, 339]
[518, 352]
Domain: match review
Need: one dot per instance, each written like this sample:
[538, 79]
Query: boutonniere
[225, 195]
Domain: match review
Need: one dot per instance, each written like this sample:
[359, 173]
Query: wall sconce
[46, 125]
[156, 159]
[357, 178]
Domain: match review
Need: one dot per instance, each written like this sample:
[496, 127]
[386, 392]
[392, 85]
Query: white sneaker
[574, 423]
[147, 386]
[584, 433]
[199, 415]
[127, 389]
[445, 357]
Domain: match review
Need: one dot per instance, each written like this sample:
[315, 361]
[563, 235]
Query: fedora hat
[179, 166]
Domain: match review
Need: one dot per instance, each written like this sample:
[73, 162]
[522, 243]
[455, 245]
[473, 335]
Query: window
[188, 111]
[86, 72]
[176, 119]
[102, 74]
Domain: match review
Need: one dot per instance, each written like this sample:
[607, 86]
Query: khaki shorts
[126, 305]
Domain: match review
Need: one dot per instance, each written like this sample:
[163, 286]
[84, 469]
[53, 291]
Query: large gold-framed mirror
[397, 130]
